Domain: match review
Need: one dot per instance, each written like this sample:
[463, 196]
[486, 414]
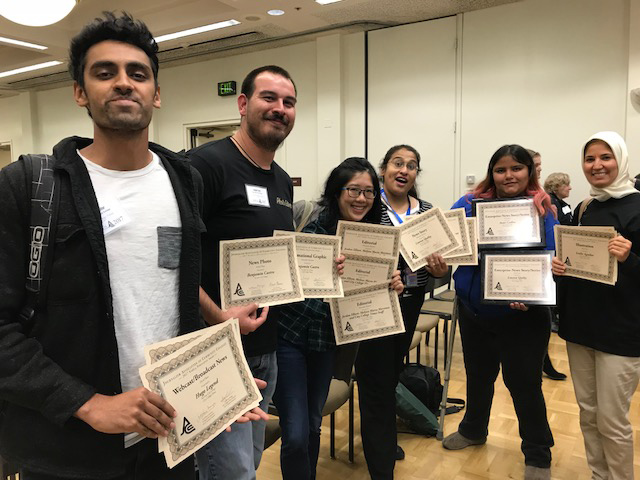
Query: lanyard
[389, 207]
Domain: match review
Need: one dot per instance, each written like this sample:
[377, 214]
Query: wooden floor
[499, 459]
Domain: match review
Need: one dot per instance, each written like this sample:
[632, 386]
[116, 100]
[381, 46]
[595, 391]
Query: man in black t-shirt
[246, 195]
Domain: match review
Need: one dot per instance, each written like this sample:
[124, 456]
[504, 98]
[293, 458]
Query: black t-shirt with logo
[235, 207]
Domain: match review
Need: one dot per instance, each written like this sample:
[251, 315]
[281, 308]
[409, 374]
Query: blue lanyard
[389, 207]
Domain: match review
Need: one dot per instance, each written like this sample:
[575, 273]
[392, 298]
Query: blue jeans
[235, 455]
[304, 377]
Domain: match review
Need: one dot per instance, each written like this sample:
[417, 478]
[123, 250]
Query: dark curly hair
[121, 28]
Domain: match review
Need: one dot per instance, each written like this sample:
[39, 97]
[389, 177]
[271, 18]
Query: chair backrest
[434, 283]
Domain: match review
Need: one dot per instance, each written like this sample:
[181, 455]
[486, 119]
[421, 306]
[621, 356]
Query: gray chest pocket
[169, 246]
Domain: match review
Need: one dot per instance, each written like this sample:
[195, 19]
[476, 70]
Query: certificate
[518, 276]
[365, 313]
[380, 241]
[426, 234]
[209, 384]
[157, 351]
[472, 258]
[262, 270]
[361, 271]
[456, 219]
[316, 261]
[585, 252]
[504, 223]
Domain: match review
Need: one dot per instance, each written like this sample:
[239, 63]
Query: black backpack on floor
[424, 382]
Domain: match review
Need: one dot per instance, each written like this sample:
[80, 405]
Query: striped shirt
[423, 206]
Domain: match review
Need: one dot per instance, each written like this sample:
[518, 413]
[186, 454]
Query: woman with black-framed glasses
[380, 360]
[306, 344]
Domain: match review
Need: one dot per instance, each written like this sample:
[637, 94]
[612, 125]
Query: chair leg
[351, 426]
[332, 435]
[435, 354]
[446, 341]
[418, 353]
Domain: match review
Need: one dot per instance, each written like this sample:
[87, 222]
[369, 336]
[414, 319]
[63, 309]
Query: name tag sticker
[114, 217]
[257, 196]
[566, 209]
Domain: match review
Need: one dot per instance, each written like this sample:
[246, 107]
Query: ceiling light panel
[195, 31]
[22, 44]
[29, 68]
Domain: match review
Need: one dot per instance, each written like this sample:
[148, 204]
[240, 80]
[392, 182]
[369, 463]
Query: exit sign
[226, 88]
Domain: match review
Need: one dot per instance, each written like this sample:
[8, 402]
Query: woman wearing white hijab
[601, 323]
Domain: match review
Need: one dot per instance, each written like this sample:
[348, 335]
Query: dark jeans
[143, 462]
[517, 343]
[304, 377]
[378, 367]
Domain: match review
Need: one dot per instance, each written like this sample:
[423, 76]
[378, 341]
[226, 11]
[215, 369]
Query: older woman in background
[558, 186]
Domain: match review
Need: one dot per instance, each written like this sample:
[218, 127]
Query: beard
[272, 138]
[110, 118]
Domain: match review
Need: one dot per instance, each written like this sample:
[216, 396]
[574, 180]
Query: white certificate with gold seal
[518, 276]
[358, 238]
[317, 263]
[425, 234]
[365, 313]
[585, 252]
[262, 270]
[208, 383]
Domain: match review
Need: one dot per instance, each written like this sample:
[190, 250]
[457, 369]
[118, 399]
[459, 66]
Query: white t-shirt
[142, 228]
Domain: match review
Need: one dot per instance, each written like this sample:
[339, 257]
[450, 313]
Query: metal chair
[425, 324]
[442, 308]
[339, 393]
[415, 344]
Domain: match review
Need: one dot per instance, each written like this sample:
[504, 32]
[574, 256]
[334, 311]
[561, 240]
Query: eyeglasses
[354, 192]
[399, 164]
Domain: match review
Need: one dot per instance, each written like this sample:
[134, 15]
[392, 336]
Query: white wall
[543, 73]
[11, 123]
[412, 100]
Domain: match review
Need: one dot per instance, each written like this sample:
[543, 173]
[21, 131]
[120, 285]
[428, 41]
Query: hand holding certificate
[426, 234]
[206, 380]
[585, 253]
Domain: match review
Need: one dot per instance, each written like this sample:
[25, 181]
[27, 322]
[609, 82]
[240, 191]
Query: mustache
[122, 97]
[278, 117]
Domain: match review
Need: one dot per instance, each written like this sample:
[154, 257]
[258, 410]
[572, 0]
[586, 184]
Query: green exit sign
[226, 88]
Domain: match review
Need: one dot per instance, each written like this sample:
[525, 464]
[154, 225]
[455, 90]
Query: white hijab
[622, 185]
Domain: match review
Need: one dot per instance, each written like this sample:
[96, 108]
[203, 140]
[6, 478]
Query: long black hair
[338, 178]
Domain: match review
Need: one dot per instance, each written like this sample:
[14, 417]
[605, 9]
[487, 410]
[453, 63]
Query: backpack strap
[583, 206]
[44, 209]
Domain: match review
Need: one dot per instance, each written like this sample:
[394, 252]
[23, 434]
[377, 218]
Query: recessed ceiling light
[194, 31]
[276, 12]
[36, 13]
[22, 44]
[327, 2]
[38, 66]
